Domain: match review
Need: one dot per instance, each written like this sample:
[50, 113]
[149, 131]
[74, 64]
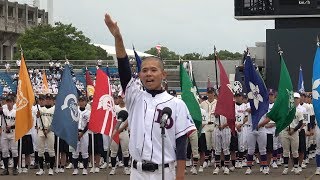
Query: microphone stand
[163, 135]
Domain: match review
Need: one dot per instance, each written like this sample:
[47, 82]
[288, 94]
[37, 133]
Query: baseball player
[289, 138]
[311, 127]
[257, 136]
[8, 142]
[304, 108]
[202, 140]
[124, 141]
[145, 115]
[241, 119]
[209, 106]
[273, 142]
[45, 135]
[83, 137]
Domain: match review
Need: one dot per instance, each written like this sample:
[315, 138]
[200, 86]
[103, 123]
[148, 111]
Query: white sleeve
[183, 120]
[133, 90]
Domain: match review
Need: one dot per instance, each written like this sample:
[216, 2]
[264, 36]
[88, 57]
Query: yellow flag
[25, 100]
[45, 83]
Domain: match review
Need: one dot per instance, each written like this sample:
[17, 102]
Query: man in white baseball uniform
[83, 138]
[8, 142]
[45, 135]
[145, 103]
[124, 141]
[209, 106]
[289, 138]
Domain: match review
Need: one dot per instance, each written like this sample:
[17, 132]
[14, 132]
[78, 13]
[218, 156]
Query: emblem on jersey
[21, 100]
[315, 92]
[291, 99]
[237, 87]
[255, 95]
[169, 122]
[71, 102]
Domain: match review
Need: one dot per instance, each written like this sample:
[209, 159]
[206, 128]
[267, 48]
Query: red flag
[209, 85]
[103, 116]
[225, 103]
[90, 86]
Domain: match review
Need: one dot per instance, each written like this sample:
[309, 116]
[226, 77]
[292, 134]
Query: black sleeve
[124, 72]
[85, 129]
[181, 144]
[298, 126]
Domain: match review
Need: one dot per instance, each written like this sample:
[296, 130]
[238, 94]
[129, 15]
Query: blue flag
[301, 82]
[257, 92]
[138, 60]
[315, 86]
[66, 115]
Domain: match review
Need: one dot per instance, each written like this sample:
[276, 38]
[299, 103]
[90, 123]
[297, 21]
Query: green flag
[283, 110]
[189, 95]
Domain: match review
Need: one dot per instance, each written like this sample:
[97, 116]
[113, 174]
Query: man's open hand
[112, 26]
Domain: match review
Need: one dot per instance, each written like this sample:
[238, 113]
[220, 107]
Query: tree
[58, 42]
[192, 56]
[165, 53]
[226, 55]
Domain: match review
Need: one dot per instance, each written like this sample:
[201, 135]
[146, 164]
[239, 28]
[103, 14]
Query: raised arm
[123, 61]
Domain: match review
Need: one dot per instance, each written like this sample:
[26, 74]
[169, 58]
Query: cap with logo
[296, 95]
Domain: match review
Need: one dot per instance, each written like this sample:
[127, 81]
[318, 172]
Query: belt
[210, 123]
[247, 125]
[148, 166]
[8, 131]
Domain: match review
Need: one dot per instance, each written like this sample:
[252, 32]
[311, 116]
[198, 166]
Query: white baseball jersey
[46, 116]
[240, 113]
[144, 123]
[84, 117]
[305, 114]
[117, 109]
[209, 107]
[204, 115]
[273, 129]
[9, 116]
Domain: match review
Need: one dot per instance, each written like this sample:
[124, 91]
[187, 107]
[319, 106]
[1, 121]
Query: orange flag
[45, 83]
[25, 100]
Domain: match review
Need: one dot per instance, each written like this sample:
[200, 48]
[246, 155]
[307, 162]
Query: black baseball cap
[49, 96]
[172, 92]
[82, 98]
[210, 90]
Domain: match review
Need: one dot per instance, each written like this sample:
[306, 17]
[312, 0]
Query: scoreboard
[274, 9]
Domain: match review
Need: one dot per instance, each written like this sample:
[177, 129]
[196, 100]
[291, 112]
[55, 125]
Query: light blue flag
[66, 115]
[257, 92]
[316, 85]
[301, 82]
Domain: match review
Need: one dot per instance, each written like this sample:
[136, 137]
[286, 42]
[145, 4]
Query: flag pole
[216, 71]
[20, 156]
[58, 155]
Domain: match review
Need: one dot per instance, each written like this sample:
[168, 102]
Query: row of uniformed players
[41, 141]
[297, 141]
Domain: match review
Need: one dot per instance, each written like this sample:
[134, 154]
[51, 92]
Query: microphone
[122, 116]
[166, 114]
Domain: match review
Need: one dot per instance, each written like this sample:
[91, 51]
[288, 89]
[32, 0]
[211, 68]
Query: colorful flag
[66, 114]
[225, 103]
[257, 92]
[283, 110]
[158, 47]
[189, 96]
[103, 115]
[301, 82]
[89, 82]
[25, 100]
[45, 83]
[315, 85]
[138, 60]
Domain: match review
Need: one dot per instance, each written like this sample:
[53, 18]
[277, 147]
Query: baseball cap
[296, 95]
[272, 92]
[210, 90]
[172, 92]
[82, 98]
[48, 96]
